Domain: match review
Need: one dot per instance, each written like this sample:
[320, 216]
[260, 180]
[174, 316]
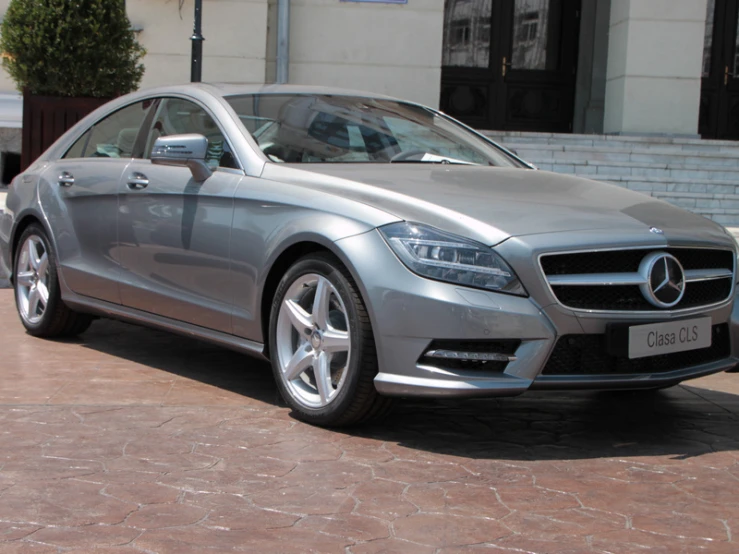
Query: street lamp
[196, 73]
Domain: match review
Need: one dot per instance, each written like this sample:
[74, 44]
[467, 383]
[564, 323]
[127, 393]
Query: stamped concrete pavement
[133, 440]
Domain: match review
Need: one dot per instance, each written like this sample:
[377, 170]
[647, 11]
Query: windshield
[314, 128]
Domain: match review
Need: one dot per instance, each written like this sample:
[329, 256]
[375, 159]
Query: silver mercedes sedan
[369, 247]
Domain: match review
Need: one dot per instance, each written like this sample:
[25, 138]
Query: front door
[511, 64]
[719, 113]
[175, 233]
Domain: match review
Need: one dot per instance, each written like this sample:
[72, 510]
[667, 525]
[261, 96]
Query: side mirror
[183, 150]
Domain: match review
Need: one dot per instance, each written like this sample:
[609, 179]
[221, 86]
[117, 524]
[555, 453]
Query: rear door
[83, 202]
[175, 233]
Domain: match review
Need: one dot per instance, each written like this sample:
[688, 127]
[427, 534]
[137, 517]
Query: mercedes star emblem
[664, 278]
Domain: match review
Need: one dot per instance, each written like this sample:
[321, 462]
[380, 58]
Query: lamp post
[196, 74]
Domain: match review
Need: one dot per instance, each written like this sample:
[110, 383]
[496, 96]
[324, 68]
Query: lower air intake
[586, 355]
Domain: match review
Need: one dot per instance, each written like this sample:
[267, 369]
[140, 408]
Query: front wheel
[322, 346]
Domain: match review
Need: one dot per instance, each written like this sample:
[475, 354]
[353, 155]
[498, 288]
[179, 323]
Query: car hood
[493, 204]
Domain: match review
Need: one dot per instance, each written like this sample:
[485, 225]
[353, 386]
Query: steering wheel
[407, 155]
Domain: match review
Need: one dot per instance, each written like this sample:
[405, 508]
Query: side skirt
[138, 317]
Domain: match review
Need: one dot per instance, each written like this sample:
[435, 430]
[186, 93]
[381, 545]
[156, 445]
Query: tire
[37, 294]
[322, 346]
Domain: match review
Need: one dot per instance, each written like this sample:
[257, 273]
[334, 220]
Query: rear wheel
[37, 293]
[322, 346]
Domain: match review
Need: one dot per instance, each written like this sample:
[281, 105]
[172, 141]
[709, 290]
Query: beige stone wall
[392, 49]
[235, 39]
[654, 66]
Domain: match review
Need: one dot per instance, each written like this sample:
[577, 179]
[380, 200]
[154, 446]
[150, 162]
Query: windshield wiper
[426, 158]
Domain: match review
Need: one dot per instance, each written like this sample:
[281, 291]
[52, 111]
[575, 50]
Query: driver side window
[177, 116]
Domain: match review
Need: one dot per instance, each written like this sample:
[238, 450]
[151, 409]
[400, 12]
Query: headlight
[437, 255]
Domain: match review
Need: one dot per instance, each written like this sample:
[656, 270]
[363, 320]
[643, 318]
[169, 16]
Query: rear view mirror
[183, 150]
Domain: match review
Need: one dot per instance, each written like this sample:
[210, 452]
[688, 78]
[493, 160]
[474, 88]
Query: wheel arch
[288, 255]
[24, 222]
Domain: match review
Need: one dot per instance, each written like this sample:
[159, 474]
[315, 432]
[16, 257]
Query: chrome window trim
[692, 309]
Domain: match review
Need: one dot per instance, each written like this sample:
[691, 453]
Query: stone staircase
[700, 175]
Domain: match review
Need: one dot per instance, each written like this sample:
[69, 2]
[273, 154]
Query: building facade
[583, 66]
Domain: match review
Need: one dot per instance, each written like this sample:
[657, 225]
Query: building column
[592, 63]
[655, 54]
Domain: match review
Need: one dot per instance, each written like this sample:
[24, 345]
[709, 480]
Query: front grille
[508, 347]
[629, 297]
[586, 355]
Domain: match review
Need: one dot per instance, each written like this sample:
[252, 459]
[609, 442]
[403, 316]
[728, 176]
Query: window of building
[529, 28]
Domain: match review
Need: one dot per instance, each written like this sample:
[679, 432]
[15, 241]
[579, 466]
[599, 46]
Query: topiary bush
[80, 48]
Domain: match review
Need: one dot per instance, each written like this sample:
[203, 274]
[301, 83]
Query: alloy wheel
[32, 280]
[313, 341]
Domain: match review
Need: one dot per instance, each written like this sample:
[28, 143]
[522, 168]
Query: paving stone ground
[133, 440]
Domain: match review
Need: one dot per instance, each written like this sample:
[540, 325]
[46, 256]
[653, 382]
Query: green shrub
[71, 48]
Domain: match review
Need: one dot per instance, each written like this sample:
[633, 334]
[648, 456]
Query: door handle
[137, 181]
[505, 66]
[727, 74]
[66, 179]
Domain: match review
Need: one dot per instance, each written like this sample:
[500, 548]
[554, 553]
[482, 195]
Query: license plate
[666, 338]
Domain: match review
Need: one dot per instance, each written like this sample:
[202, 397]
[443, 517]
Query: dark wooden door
[719, 112]
[511, 64]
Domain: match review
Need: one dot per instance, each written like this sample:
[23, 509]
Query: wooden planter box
[46, 118]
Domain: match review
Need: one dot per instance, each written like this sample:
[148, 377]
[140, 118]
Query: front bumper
[408, 312]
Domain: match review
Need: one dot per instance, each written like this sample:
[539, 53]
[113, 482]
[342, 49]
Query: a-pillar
[654, 66]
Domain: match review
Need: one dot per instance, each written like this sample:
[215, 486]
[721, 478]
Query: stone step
[701, 205]
[557, 153]
[678, 149]
[696, 195]
[589, 168]
[715, 186]
[632, 141]
[645, 165]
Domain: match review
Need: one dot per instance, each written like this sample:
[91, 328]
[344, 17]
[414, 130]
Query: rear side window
[78, 148]
[113, 137]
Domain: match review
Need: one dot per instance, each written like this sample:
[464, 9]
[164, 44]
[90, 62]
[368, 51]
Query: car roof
[236, 89]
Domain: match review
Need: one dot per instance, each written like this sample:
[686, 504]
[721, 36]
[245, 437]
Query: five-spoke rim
[32, 280]
[313, 341]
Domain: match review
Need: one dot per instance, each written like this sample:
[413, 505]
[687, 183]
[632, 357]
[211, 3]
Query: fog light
[474, 356]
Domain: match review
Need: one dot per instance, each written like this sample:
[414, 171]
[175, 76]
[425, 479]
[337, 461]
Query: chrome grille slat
[612, 279]
[594, 279]
[695, 275]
